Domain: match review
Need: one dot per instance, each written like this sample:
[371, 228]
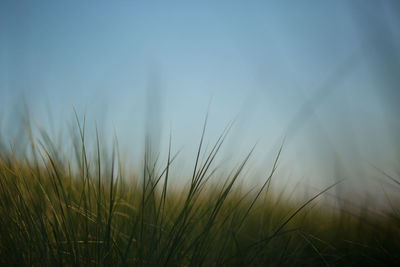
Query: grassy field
[87, 210]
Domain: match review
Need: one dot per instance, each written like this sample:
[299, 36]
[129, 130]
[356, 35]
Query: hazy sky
[325, 74]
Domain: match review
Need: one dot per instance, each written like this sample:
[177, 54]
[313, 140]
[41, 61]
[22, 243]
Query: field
[88, 210]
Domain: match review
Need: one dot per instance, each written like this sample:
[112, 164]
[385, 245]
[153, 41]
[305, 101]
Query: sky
[323, 75]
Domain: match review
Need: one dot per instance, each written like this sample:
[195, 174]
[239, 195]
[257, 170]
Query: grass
[87, 210]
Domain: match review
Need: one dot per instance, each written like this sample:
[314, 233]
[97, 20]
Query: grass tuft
[57, 210]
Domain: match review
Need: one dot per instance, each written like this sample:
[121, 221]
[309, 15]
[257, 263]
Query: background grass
[59, 210]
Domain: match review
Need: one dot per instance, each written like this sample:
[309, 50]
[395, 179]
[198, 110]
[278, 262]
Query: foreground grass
[87, 211]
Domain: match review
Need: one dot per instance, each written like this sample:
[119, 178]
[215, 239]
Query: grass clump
[86, 211]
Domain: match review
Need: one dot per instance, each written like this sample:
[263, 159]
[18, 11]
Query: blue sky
[259, 61]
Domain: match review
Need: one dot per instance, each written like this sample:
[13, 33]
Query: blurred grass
[87, 210]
